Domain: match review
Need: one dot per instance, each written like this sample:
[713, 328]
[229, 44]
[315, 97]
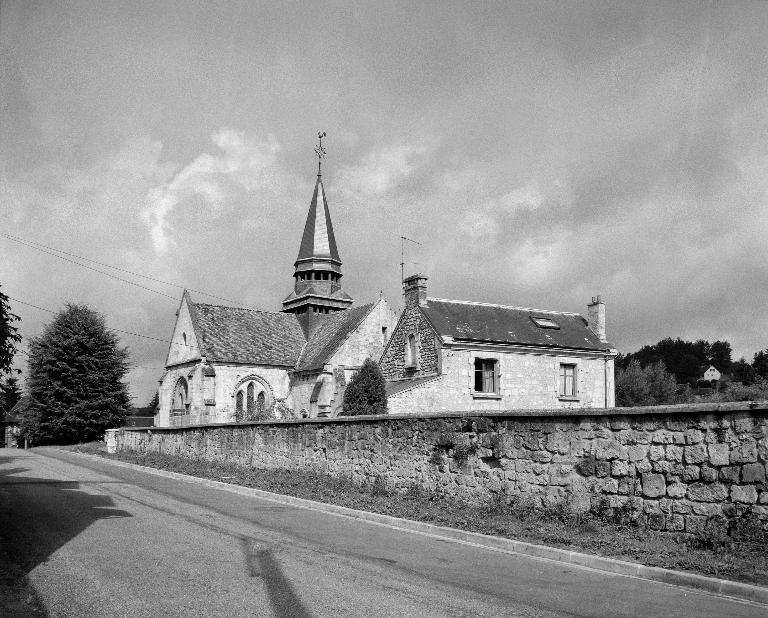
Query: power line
[126, 332]
[61, 257]
[48, 249]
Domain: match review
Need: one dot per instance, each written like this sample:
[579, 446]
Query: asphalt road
[99, 540]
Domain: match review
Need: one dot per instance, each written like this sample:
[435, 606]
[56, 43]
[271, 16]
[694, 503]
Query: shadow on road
[262, 563]
[37, 517]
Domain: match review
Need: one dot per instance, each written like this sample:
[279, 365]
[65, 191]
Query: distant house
[450, 355]
[10, 428]
[711, 374]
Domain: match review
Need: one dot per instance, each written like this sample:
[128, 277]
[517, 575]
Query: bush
[366, 393]
[646, 386]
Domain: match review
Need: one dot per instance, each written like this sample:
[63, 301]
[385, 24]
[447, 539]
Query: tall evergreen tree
[760, 364]
[76, 371]
[9, 335]
[365, 393]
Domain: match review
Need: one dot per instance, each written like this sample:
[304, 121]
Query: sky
[540, 153]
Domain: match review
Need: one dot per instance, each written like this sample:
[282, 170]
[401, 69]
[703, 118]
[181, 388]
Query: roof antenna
[402, 255]
[320, 151]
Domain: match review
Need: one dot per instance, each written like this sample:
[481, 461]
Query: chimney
[415, 290]
[596, 317]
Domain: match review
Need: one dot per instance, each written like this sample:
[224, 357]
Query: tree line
[668, 372]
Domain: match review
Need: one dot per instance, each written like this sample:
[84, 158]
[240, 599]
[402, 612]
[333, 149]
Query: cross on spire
[319, 150]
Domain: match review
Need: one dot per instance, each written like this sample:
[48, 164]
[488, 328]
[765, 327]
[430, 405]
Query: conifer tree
[9, 335]
[366, 393]
[10, 393]
[75, 380]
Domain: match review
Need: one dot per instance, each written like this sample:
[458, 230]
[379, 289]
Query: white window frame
[562, 365]
[496, 360]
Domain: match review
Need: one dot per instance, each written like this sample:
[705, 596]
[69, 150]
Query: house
[10, 427]
[228, 364]
[448, 355]
[712, 374]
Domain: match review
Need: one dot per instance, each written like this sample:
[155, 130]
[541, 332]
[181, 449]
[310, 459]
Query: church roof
[328, 337]
[311, 290]
[236, 335]
[318, 240]
[467, 321]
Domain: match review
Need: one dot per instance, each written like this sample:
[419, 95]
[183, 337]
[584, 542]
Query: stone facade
[527, 376]
[673, 468]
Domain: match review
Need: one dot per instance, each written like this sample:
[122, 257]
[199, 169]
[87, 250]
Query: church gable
[185, 344]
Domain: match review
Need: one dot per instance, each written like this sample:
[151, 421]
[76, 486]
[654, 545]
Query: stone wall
[672, 467]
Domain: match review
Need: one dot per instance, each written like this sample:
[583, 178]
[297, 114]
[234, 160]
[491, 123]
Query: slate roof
[466, 321]
[400, 386]
[231, 334]
[333, 330]
[318, 239]
[311, 290]
[14, 416]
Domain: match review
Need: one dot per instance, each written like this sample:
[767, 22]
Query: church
[230, 364]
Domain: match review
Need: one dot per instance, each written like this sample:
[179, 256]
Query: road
[100, 540]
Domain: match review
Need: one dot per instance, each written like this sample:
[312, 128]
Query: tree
[366, 393]
[10, 393]
[76, 371]
[720, 356]
[760, 364]
[9, 335]
[743, 372]
[645, 386]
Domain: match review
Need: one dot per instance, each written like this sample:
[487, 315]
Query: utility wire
[126, 332]
[47, 249]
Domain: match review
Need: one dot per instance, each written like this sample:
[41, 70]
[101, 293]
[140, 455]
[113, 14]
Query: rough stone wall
[671, 467]
[412, 321]
[527, 380]
[178, 351]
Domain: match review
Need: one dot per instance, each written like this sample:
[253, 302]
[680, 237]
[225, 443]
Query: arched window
[239, 404]
[410, 351]
[261, 402]
[250, 403]
[180, 403]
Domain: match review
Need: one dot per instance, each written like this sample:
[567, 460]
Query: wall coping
[685, 408]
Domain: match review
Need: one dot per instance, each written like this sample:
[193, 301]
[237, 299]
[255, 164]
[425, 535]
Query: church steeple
[317, 270]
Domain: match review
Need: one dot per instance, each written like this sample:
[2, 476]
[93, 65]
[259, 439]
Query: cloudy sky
[541, 153]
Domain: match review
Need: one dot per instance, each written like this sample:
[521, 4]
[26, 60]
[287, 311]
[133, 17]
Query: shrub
[366, 393]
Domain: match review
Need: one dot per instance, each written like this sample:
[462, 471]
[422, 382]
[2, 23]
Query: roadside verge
[746, 592]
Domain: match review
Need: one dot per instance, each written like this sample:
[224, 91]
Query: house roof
[318, 240]
[232, 334]
[14, 416]
[328, 337]
[467, 321]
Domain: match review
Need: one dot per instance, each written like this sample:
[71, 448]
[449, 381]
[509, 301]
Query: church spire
[317, 270]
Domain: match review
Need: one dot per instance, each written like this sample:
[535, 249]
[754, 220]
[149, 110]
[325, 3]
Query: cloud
[382, 170]
[240, 164]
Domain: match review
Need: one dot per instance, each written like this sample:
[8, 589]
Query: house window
[486, 375]
[567, 380]
[410, 352]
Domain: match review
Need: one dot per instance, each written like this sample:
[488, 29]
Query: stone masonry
[672, 467]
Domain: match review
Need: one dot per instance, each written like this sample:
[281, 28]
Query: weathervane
[320, 151]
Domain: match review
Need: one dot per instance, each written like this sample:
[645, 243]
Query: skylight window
[545, 323]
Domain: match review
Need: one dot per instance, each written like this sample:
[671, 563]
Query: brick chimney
[596, 317]
[415, 290]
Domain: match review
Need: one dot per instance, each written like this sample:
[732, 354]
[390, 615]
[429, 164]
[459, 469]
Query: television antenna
[403, 240]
